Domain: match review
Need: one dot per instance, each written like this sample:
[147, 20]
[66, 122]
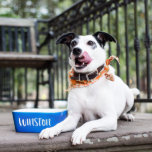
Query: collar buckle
[87, 76]
[79, 79]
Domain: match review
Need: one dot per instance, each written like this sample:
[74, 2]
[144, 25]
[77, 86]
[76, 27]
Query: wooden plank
[25, 64]
[17, 22]
[17, 60]
[28, 57]
[130, 136]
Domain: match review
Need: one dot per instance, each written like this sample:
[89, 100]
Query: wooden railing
[18, 49]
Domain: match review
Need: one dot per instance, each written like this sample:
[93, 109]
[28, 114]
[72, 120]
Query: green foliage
[33, 8]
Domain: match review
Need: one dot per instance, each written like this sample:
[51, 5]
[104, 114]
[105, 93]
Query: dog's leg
[129, 104]
[127, 117]
[106, 123]
[70, 123]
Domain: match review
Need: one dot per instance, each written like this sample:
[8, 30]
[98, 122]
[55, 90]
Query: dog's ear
[103, 37]
[66, 38]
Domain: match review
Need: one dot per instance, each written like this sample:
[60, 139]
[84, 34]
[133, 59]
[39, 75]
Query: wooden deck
[25, 60]
[131, 137]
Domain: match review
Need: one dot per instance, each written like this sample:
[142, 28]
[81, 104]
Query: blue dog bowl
[35, 120]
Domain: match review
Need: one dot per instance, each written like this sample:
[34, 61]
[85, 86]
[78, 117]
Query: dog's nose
[77, 51]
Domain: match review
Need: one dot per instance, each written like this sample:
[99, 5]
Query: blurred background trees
[33, 8]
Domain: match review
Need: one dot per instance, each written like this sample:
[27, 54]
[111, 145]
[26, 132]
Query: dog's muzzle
[82, 61]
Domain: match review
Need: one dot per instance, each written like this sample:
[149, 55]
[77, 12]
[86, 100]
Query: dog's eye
[90, 43]
[73, 43]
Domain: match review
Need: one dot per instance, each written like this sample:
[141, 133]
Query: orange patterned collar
[84, 83]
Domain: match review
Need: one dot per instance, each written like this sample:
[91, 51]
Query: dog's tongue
[85, 58]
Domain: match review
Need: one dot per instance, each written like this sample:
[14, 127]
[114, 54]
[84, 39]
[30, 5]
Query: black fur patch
[66, 38]
[103, 37]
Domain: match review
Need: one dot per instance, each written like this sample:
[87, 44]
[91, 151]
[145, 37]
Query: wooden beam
[25, 60]
[17, 22]
[24, 56]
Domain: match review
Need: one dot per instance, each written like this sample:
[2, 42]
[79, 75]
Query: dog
[99, 101]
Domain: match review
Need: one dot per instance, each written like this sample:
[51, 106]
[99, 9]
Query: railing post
[117, 37]
[147, 45]
[126, 41]
[136, 45]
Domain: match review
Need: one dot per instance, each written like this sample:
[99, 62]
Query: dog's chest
[89, 112]
[86, 98]
[89, 99]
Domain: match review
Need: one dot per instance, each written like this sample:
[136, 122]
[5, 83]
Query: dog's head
[86, 52]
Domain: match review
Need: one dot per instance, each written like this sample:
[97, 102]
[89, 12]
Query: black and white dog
[102, 103]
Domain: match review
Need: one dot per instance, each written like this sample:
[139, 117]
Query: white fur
[98, 55]
[100, 104]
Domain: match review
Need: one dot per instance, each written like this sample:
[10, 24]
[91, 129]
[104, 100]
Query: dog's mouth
[82, 61]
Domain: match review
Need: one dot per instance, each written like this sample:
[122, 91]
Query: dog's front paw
[79, 136]
[50, 132]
